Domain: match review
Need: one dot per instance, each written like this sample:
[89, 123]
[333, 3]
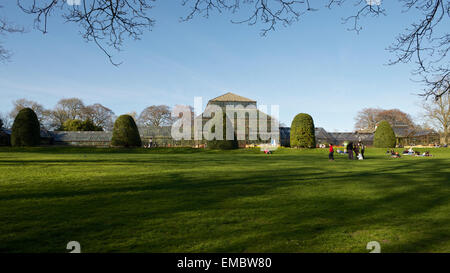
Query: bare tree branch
[108, 23]
[427, 43]
[105, 22]
[7, 28]
[437, 113]
[267, 12]
[156, 115]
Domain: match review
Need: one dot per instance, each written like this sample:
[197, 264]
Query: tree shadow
[280, 207]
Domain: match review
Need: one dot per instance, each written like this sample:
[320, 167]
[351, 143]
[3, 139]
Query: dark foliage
[125, 132]
[384, 136]
[302, 132]
[79, 125]
[26, 129]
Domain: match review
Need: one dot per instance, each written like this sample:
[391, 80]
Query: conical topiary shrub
[125, 132]
[26, 129]
[302, 132]
[384, 136]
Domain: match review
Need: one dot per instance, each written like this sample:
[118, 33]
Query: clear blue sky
[314, 66]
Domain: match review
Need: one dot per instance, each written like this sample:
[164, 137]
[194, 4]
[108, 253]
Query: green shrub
[125, 132]
[88, 125]
[78, 125]
[224, 144]
[71, 125]
[26, 129]
[384, 136]
[302, 132]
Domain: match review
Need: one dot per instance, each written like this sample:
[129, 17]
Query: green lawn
[186, 200]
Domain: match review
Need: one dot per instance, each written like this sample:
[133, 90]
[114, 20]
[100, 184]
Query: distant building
[246, 113]
[5, 137]
[47, 137]
[355, 137]
[407, 135]
[83, 138]
[285, 136]
[161, 136]
[324, 137]
[231, 99]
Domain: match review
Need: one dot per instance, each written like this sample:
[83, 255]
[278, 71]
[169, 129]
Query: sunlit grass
[191, 200]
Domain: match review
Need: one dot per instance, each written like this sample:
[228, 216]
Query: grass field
[187, 200]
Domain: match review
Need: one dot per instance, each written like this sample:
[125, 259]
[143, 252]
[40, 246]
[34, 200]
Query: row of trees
[435, 115]
[71, 114]
[26, 132]
[368, 118]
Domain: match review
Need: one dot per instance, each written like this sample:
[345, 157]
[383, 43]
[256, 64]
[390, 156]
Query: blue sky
[314, 66]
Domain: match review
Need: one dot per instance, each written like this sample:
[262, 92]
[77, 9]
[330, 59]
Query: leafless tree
[437, 113]
[156, 115]
[367, 118]
[7, 28]
[65, 109]
[426, 42]
[100, 115]
[6, 120]
[41, 113]
[108, 22]
[396, 117]
[105, 22]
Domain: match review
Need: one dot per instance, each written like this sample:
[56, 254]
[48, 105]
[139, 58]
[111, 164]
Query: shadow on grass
[285, 208]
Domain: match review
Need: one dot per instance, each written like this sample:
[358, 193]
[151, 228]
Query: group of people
[358, 149]
[410, 151]
[393, 153]
[416, 153]
[150, 144]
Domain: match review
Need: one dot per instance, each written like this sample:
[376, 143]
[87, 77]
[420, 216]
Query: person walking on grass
[350, 150]
[331, 154]
[361, 145]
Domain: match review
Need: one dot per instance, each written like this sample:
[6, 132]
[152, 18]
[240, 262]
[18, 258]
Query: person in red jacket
[331, 154]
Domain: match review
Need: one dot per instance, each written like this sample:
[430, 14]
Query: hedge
[302, 132]
[384, 136]
[126, 133]
[26, 129]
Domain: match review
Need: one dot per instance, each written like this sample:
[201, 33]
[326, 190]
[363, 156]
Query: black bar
[223, 262]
